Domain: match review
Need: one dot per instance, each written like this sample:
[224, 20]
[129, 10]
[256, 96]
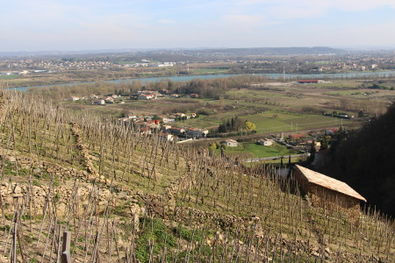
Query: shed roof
[329, 182]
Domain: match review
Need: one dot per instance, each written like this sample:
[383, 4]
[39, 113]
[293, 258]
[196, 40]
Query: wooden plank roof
[329, 182]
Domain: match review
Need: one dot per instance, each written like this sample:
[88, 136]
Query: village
[169, 128]
[155, 123]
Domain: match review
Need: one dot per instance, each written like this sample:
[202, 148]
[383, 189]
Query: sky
[69, 25]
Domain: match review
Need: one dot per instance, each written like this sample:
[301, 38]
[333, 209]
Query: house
[166, 127]
[166, 137]
[265, 142]
[100, 102]
[177, 131]
[317, 146]
[153, 124]
[166, 64]
[146, 97]
[230, 143]
[109, 100]
[328, 192]
[296, 136]
[75, 98]
[167, 120]
[194, 133]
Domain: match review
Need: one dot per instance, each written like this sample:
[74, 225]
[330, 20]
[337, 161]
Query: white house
[146, 97]
[167, 120]
[167, 137]
[109, 100]
[230, 143]
[265, 142]
[100, 102]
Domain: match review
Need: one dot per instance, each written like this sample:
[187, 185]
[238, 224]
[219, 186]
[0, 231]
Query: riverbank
[182, 78]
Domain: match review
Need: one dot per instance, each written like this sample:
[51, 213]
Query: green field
[254, 150]
[269, 121]
[272, 121]
[359, 93]
[8, 76]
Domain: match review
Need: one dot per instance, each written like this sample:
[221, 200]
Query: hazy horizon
[126, 50]
[60, 25]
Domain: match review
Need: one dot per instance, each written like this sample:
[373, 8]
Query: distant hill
[365, 160]
[273, 51]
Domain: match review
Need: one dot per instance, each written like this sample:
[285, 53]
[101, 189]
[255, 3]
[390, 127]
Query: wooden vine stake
[14, 238]
[66, 257]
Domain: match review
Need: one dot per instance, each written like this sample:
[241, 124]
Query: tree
[156, 118]
[312, 152]
[249, 126]
[364, 160]
[211, 148]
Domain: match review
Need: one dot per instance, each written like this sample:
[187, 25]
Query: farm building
[230, 143]
[327, 192]
[265, 142]
[146, 97]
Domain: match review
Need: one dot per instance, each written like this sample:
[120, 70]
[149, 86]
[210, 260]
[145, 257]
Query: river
[274, 76]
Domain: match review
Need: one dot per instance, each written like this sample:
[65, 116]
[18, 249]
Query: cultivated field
[273, 106]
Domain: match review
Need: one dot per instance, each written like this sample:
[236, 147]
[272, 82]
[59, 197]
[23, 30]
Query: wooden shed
[327, 192]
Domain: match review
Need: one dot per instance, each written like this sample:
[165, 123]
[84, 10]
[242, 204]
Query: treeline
[364, 159]
[234, 127]
[378, 85]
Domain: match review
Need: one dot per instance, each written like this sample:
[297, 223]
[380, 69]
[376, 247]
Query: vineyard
[75, 188]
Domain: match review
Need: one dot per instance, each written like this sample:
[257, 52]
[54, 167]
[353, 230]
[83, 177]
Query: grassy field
[269, 121]
[8, 76]
[272, 121]
[254, 150]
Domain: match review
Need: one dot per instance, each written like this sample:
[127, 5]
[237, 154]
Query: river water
[274, 76]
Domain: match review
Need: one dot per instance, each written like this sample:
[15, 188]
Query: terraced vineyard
[124, 197]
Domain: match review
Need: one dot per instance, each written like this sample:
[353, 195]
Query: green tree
[249, 126]
[211, 148]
